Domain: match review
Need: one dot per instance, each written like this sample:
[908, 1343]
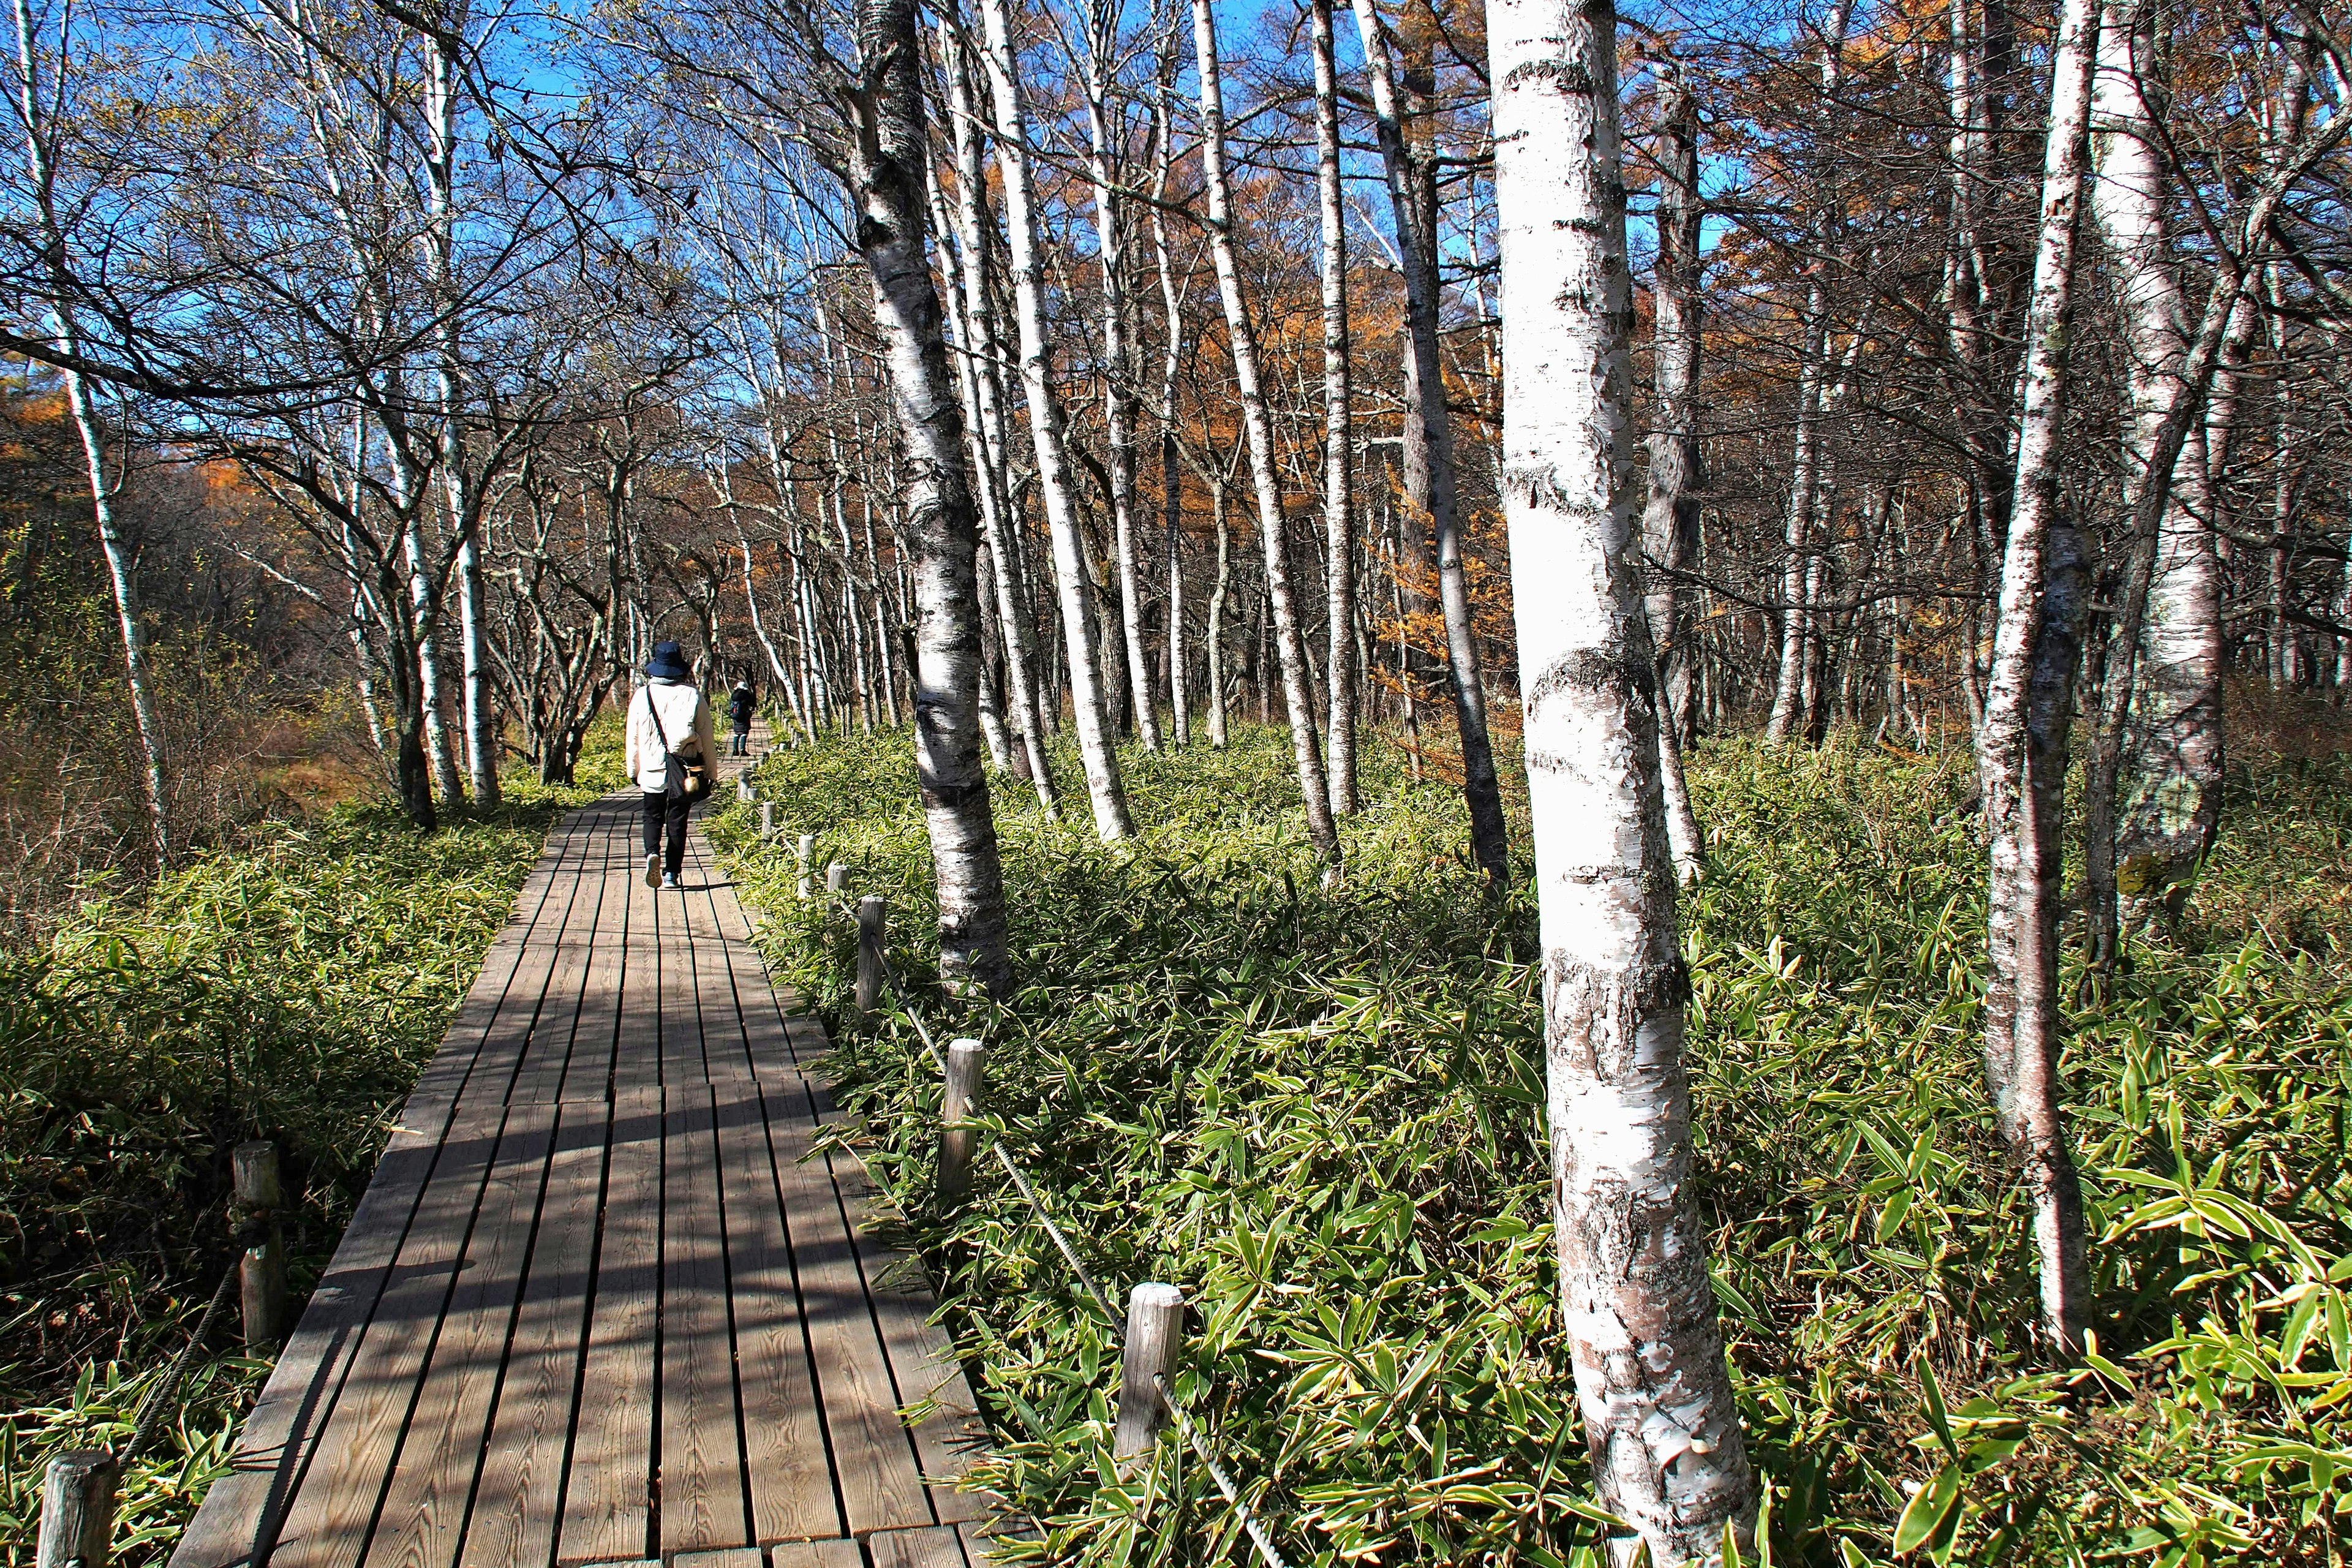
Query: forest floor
[1319, 1112]
[292, 987]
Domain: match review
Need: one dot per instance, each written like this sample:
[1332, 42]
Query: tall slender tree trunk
[1220, 593]
[425, 593]
[1670, 517]
[1088, 698]
[2157, 761]
[1119, 358]
[1258, 425]
[1171, 486]
[975, 228]
[2022, 746]
[1428, 443]
[1791, 710]
[479, 702]
[887, 159]
[1637, 1301]
[32, 107]
[1338, 500]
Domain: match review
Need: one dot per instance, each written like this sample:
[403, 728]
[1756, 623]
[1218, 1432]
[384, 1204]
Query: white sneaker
[671, 885]
[653, 870]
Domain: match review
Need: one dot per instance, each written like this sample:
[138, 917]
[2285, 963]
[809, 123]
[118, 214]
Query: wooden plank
[421, 1518]
[784, 1436]
[547, 1052]
[873, 1457]
[730, 1557]
[637, 1045]
[701, 1478]
[607, 1507]
[922, 1364]
[515, 1511]
[329, 1520]
[937, 1546]
[588, 1071]
[817, 1554]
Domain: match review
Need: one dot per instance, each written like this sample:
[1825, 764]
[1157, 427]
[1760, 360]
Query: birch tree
[1637, 1303]
[1428, 444]
[1670, 517]
[2022, 745]
[1257, 426]
[1338, 430]
[43, 141]
[1089, 704]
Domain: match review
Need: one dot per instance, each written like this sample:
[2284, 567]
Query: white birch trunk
[1338, 501]
[122, 576]
[889, 154]
[1670, 517]
[1257, 426]
[2169, 797]
[1791, 708]
[1172, 492]
[974, 227]
[1637, 1304]
[1090, 709]
[2021, 746]
[1118, 359]
[1428, 444]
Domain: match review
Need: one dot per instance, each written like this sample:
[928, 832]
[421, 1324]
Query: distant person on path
[669, 726]
[740, 708]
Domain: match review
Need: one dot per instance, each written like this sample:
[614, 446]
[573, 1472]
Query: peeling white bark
[1636, 1301]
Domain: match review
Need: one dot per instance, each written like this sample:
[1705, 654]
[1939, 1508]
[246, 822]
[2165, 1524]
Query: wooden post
[1155, 1328]
[743, 786]
[807, 853]
[253, 1169]
[872, 915]
[77, 1510]
[836, 878]
[958, 1138]
[767, 819]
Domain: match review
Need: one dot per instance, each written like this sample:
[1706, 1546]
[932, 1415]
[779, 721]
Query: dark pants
[670, 810]
[743, 740]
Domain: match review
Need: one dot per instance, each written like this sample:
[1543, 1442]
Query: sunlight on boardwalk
[596, 1307]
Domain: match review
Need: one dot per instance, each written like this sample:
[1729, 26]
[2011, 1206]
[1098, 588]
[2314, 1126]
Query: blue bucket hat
[667, 663]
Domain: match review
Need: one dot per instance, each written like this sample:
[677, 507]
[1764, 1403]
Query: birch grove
[1103, 395]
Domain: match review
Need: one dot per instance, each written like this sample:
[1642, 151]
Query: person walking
[668, 728]
[740, 705]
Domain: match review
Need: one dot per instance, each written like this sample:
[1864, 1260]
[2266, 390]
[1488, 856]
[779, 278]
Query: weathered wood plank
[333, 1510]
[608, 1501]
[421, 1518]
[874, 1460]
[701, 1478]
[937, 1546]
[515, 1511]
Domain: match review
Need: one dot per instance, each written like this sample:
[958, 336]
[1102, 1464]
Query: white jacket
[685, 717]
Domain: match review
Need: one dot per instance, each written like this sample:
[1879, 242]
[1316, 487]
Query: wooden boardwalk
[598, 1305]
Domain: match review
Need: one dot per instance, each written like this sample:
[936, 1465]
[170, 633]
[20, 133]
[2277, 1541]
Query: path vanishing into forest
[599, 1304]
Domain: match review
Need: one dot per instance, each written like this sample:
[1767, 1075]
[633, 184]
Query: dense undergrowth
[1318, 1112]
[291, 989]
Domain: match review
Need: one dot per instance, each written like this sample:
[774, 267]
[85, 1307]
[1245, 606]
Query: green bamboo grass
[1319, 1114]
